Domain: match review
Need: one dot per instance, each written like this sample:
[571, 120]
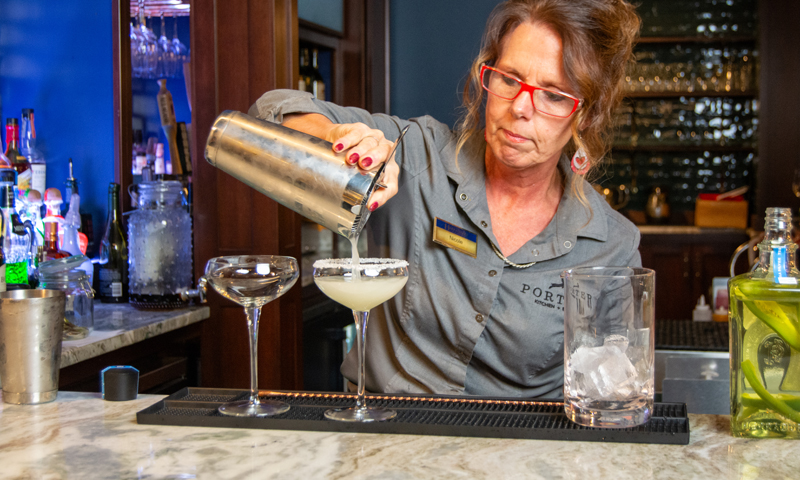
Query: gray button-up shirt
[466, 325]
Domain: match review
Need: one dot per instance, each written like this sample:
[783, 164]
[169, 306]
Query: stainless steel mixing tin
[297, 170]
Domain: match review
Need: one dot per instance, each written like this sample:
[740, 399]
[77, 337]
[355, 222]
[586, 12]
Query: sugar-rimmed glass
[361, 287]
[252, 281]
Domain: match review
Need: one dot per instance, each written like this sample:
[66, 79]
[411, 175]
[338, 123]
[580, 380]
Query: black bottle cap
[26, 112]
[12, 121]
[119, 383]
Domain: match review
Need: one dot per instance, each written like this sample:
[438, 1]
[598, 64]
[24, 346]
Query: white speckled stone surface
[80, 436]
[120, 325]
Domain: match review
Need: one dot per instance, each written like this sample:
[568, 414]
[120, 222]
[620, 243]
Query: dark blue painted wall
[433, 44]
[55, 57]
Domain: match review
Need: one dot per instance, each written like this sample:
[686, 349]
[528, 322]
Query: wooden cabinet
[686, 260]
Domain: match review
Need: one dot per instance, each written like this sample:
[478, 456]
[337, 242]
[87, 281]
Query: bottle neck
[51, 236]
[777, 250]
[12, 138]
[28, 140]
[113, 206]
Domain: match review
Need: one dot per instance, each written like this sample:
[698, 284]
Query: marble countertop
[81, 436]
[120, 325]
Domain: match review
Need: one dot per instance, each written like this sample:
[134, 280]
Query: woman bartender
[490, 214]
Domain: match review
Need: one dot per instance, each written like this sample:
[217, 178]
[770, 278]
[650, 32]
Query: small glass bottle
[112, 279]
[30, 152]
[51, 250]
[765, 338]
[18, 161]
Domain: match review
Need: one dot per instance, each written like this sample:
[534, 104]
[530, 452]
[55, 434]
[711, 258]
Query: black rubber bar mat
[689, 335]
[417, 415]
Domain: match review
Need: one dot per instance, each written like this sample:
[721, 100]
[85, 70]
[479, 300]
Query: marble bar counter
[120, 325]
[81, 436]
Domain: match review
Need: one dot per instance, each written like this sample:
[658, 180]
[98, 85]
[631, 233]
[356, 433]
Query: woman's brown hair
[597, 39]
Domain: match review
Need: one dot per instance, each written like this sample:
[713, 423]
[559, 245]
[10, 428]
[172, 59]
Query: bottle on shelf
[159, 165]
[51, 250]
[318, 84]
[31, 153]
[74, 241]
[17, 240]
[112, 279]
[83, 221]
[139, 155]
[18, 161]
[765, 337]
[310, 77]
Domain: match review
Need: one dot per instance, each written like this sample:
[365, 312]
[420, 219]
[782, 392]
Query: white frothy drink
[361, 295]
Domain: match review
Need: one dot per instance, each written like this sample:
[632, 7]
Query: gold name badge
[454, 237]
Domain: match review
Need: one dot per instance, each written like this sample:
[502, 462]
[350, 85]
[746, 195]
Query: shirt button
[484, 224]
[479, 318]
[567, 244]
[492, 273]
[463, 196]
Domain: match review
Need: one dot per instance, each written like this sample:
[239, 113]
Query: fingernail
[373, 207]
[366, 162]
[339, 147]
[353, 158]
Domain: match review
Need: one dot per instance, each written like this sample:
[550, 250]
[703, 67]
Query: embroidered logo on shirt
[454, 237]
[550, 295]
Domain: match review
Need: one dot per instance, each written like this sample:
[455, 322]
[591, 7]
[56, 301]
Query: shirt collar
[572, 219]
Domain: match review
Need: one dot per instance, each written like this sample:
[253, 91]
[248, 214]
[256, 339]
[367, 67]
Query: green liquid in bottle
[765, 339]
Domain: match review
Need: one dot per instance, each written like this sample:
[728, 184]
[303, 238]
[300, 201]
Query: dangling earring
[580, 162]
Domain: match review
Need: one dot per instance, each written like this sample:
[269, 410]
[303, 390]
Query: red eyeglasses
[549, 102]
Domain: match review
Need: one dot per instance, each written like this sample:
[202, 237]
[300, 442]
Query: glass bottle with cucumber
[765, 337]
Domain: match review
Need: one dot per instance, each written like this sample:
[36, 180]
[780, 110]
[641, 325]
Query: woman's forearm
[310, 123]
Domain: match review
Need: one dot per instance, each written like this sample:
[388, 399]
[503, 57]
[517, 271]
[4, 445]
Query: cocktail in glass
[252, 281]
[361, 286]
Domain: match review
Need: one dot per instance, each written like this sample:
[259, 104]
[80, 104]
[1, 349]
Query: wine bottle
[31, 153]
[18, 161]
[113, 268]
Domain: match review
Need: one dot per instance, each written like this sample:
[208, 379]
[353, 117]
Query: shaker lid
[62, 265]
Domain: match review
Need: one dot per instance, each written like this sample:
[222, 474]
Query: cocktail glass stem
[253, 314]
[361, 319]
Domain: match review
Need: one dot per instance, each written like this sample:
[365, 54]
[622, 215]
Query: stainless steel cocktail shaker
[297, 170]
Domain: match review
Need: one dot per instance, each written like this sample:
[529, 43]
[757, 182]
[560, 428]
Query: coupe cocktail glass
[252, 281]
[362, 287]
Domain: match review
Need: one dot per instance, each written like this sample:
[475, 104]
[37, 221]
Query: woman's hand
[368, 149]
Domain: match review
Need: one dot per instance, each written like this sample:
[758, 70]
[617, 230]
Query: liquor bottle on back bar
[31, 153]
[16, 239]
[765, 338]
[113, 272]
[18, 161]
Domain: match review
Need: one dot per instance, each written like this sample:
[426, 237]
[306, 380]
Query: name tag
[454, 237]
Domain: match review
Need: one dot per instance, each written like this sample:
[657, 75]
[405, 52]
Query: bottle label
[17, 272]
[24, 180]
[38, 177]
[110, 282]
[3, 277]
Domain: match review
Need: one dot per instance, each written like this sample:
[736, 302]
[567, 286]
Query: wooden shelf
[738, 94]
[696, 39]
[676, 147]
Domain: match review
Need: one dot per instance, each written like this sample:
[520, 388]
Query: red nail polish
[373, 207]
[366, 162]
[353, 158]
[339, 147]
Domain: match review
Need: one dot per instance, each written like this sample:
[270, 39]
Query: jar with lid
[159, 246]
[65, 274]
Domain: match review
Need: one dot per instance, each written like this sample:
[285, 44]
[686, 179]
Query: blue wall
[432, 47]
[55, 57]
